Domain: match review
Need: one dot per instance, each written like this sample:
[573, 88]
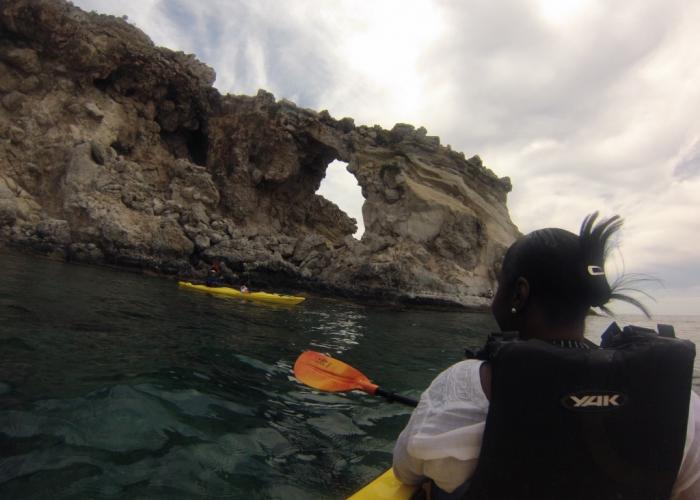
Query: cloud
[588, 116]
[584, 106]
[688, 165]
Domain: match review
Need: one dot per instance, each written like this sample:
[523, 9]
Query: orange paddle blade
[329, 374]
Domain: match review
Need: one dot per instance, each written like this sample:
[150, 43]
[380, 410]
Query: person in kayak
[549, 280]
[214, 277]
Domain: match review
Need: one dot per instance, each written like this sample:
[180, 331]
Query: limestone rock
[14, 101]
[94, 111]
[55, 231]
[113, 150]
[16, 203]
[26, 60]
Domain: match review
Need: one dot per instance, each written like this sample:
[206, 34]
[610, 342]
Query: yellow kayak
[387, 487]
[232, 292]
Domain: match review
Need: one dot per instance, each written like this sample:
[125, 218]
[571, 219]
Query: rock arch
[157, 170]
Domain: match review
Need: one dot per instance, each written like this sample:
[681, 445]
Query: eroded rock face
[115, 151]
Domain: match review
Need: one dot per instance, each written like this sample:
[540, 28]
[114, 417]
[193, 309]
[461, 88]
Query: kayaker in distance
[549, 280]
[214, 278]
[244, 289]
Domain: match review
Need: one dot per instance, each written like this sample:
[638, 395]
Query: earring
[513, 310]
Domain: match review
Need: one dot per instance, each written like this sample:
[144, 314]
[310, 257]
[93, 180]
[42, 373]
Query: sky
[586, 105]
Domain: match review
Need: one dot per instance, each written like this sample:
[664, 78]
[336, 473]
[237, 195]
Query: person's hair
[566, 273]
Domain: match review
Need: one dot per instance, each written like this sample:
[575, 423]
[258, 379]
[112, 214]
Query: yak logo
[594, 400]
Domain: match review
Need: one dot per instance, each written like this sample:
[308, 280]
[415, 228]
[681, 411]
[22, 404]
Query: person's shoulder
[458, 382]
[465, 367]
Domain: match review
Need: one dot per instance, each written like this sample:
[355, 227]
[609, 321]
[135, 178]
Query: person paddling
[214, 277]
[479, 431]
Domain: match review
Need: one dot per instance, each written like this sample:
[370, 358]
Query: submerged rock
[122, 152]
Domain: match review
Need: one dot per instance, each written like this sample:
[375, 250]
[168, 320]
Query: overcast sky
[586, 105]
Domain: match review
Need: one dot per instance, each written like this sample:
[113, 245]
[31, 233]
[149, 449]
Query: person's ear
[521, 295]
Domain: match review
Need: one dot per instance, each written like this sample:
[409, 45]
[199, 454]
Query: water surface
[118, 385]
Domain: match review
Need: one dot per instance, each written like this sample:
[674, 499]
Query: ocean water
[118, 385]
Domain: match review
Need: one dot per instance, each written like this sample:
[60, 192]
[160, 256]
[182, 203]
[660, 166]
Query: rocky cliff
[113, 150]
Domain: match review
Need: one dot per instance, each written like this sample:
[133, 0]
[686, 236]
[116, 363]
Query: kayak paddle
[329, 374]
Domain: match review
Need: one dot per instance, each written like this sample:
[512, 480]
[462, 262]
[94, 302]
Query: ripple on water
[334, 424]
[122, 386]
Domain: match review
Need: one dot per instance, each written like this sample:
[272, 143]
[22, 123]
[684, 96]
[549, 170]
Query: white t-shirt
[443, 437]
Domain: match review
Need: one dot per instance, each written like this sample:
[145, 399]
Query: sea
[116, 385]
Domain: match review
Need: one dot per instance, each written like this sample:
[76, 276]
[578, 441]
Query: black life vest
[585, 424]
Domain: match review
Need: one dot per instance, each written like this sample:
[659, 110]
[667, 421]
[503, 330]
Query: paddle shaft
[391, 397]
